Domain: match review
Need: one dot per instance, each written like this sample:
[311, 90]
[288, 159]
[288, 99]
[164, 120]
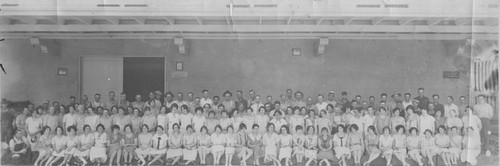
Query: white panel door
[101, 75]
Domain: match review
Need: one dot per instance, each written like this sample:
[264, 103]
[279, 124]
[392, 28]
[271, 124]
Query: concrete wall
[365, 67]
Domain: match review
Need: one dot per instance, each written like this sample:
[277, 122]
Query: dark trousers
[485, 123]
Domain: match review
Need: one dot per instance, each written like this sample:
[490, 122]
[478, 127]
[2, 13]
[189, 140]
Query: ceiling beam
[139, 20]
[83, 20]
[200, 22]
[490, 22]
[434, 21]
[348, 20]
[228, 20]
[407, 20]
[169, 20]
[251, 28]
[54, 19]
[112, 20]
[377, 20]
[319, 20]
[367, 36]
[26, 20]
[463, 21]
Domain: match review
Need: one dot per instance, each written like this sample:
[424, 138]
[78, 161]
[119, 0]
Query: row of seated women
[276, 145]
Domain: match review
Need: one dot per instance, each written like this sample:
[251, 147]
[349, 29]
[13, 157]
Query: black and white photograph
[249, 82]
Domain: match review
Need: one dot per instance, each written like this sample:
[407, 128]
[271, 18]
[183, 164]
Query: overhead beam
[251, 28]
[169, 20]
[139, 20]
[463, 21]
[200, 22]
[348, 20]
[53, 19]
[405, 21]
[377, 20]
[26, 20]
[228, 20]
[434, 21]
[490, 22]
[319, 20]
[366, 36]
[83, 20]
[112, 20]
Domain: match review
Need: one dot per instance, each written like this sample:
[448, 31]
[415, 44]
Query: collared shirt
[159, 141]
[139, 104]
[123, 103]
[423, 102]
[484, 110]
[111, 104]
[321, 106]
[439, 107]
[98, 104]
[448, 108]
[204, 101]
[406, 104]
[180, 103]
[298, 103]
[333, 102]
[255, 107]
[284, 105]
[229, 105]
[241, 101]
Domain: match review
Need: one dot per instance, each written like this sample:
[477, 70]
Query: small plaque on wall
[179, 74]
[62, 71]
[451, 74]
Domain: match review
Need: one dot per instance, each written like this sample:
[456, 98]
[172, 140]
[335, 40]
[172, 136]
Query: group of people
[168, 128]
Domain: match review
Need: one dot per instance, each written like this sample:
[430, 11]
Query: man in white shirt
[180, 99]
[205, 99]
[69, 119]
[449, 106]
[485, 112]
[331, 98]
[97, 101]
[407, 100]
[256, 105]
[321, 105]
[426, 122]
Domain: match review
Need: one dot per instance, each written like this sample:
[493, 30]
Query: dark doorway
[142, 75]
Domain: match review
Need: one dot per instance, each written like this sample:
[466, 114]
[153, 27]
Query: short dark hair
[115, 127]
[71, 128]
[101, 126]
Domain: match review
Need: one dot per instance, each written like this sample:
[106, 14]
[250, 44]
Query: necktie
[158, 145]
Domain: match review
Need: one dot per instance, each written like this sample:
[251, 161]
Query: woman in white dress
[255, 143]
[428, 144]
[262, 119]
[203, 143]
[115, 144]
[248, 119]
[198, 120]
[442, 144]
[413, 143]
[159, 142]
[162, 117]
[230, 144]
[149, 119]
[296, 120]
[71, 145]
[185, 118]
[311, 144]
[385, 145]
[45, 150]
[217, 139]
[455, 144]
[58, 145]
[85, 143]
[144, 140]
[356, 143]
[270, 141]
[472, 147]
[175, 144]
[98, 151]
[413, 119]
[285, 143]
[340, 145]
[129, 142]
[298, 144]
[189, 142]
[396, 120]
[371, 143]
[400, 145]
